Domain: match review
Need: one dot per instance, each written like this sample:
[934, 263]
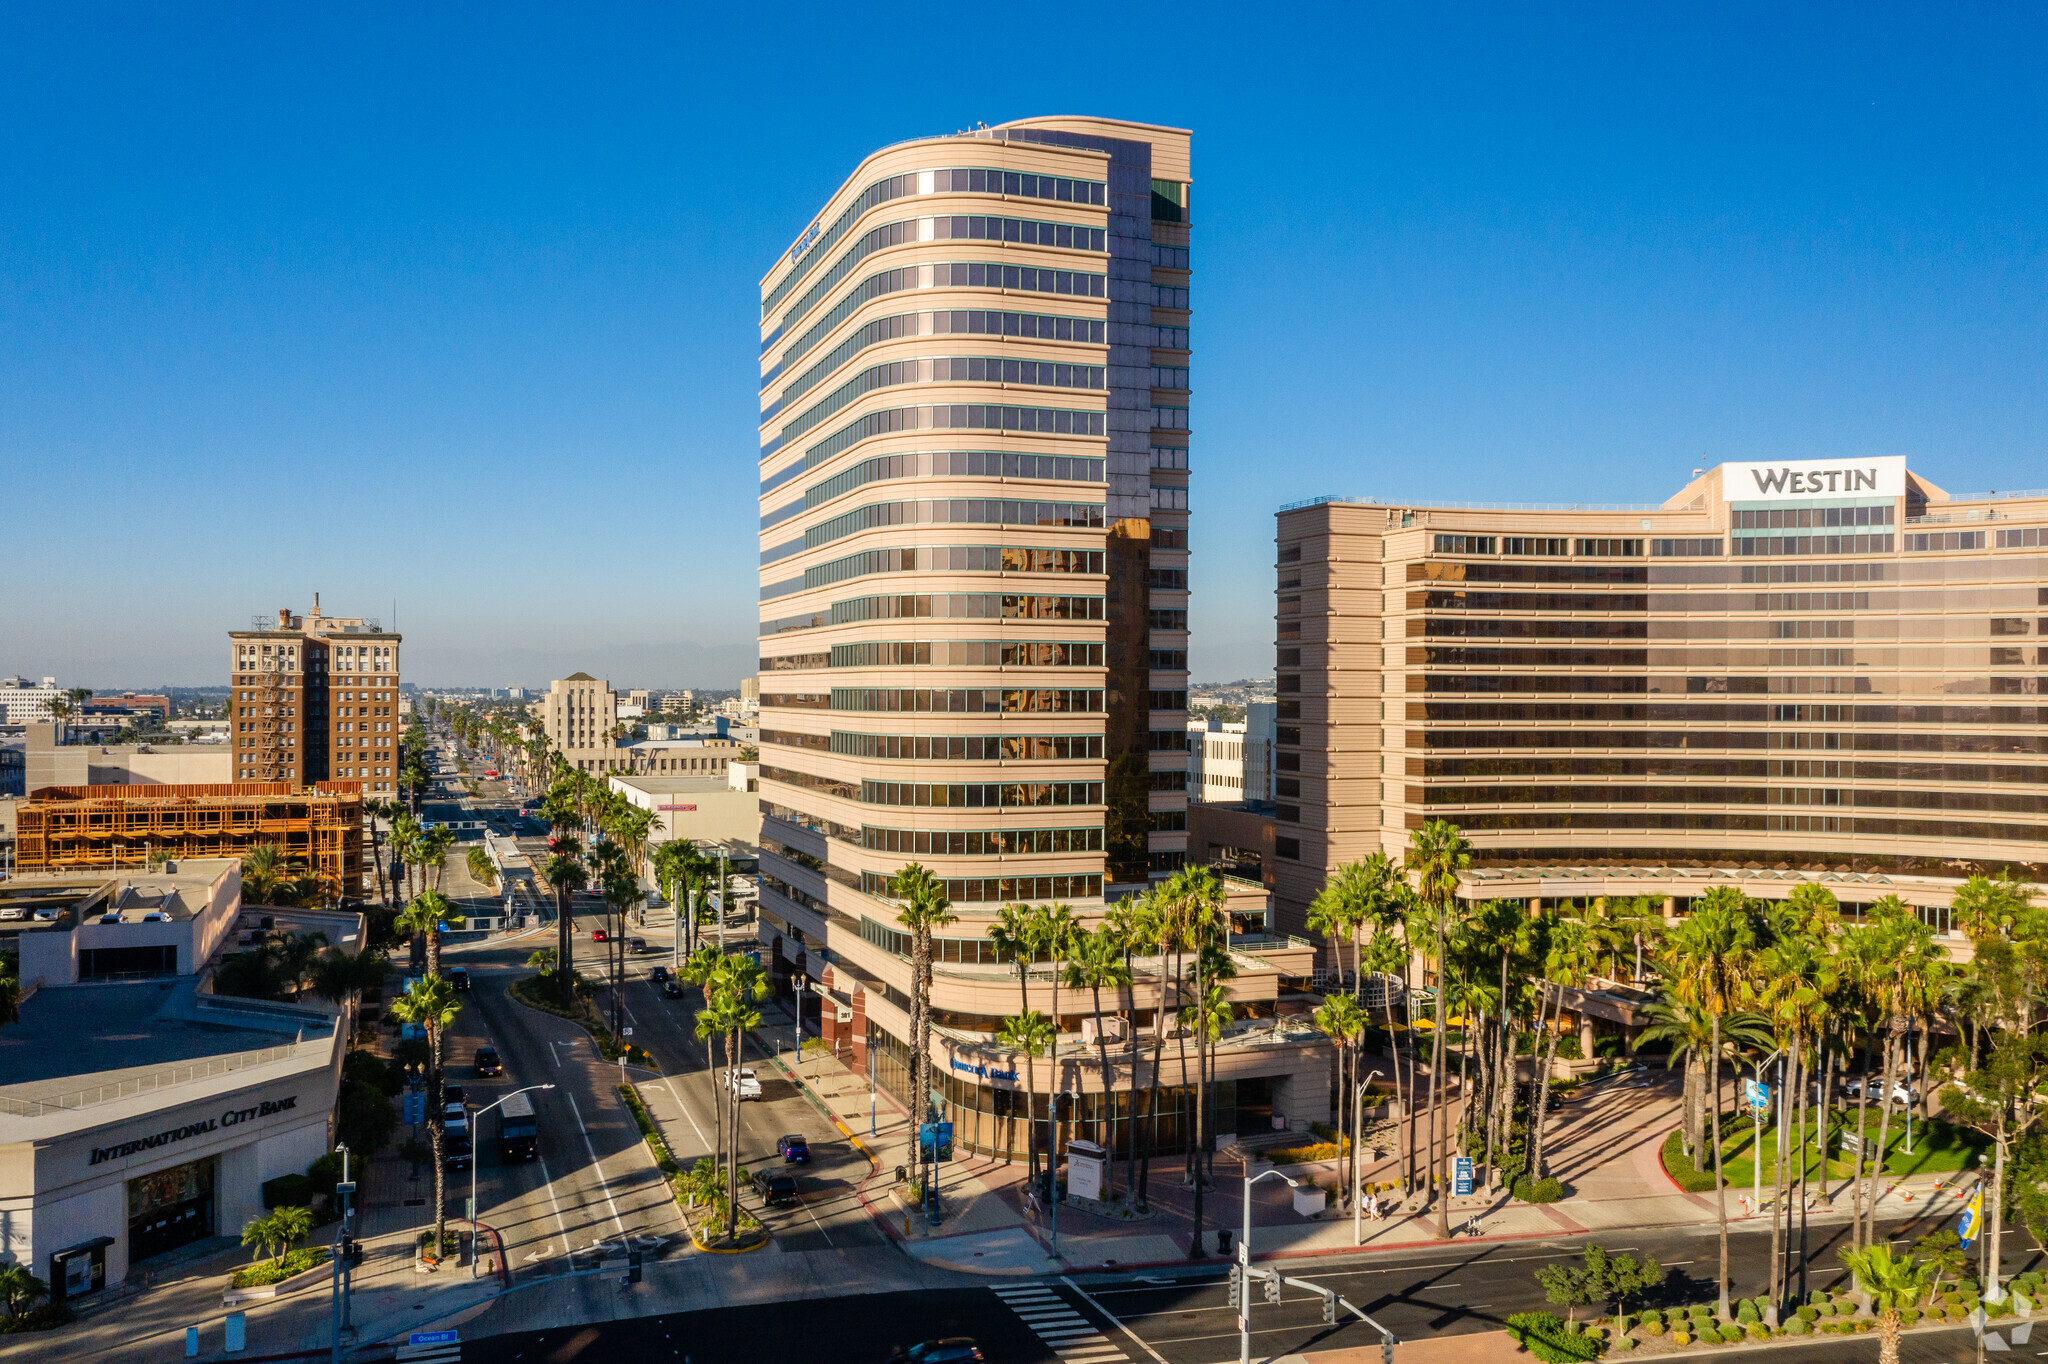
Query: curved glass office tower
[974, 506]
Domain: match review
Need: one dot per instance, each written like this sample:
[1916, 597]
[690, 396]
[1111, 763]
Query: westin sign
[1814, 479]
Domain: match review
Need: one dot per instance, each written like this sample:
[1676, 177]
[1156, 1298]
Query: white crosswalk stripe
[1063, 1329]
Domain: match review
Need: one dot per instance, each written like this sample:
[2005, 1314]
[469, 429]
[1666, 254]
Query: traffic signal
[633, 1270]
[1236, 1287]
[1273, 1286]
[1386, 1350]
[1329, 1309]
[1063, 1106]
[351, 1252]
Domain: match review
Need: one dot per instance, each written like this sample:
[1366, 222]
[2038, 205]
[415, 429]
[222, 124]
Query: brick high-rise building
[315, 698]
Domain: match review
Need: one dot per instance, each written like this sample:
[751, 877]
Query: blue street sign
[432, 1338]
[415, 1109]
[1461, 1176]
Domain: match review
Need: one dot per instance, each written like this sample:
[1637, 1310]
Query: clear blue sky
[453, 305]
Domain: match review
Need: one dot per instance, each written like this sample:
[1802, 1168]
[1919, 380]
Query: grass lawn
[1938, 1148]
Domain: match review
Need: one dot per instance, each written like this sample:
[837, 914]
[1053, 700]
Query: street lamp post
[1357, 1166]
[1244, 1264]
[476, 1154]
[798, 985]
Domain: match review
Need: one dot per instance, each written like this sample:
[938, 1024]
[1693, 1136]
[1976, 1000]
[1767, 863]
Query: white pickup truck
[744, 1084]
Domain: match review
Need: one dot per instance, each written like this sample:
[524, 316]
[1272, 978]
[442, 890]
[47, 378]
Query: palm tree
[296, 953]
[1797, 975]
[481, 869]
[1098, 960]
[925, 907]
[338, 974]
[1029, 1035]
[1129, 923]
[1564, 968]
[20, 1288]
[293, 1226]
[1207, 1019]
[267, 879]
[428, 913]
[1343, 1022]
[260, 1234]
[1893, 1283]
[1438, 854]
[738, 984]
[1710, 956]
[430, 1002]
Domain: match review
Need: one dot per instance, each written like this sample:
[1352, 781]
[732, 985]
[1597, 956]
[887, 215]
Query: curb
[729, 1250]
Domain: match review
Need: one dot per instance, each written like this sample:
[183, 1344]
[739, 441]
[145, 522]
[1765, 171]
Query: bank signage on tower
[1808, 480]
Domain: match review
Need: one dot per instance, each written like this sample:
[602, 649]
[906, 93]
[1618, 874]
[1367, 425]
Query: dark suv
[776, 1189]
[487, 1062]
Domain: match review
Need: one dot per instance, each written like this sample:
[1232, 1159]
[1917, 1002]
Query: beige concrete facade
[315, 697]
[974, 508]
[1824, 669]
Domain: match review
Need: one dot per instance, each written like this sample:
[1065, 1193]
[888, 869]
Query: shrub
[1544, 1336]
[1746, 1313]
[1816, 1298]
[1681, 1338]
[1653, 1329]
[1731, 1334]
[2002, 1308]
[1798, 1326]
[1648, 1315]
[1809, 1314]
[1759, 1331]
[1956, 1313]
[1625, 1343]
[1909, 1315]
[1699, 1311]
[1544, 1190]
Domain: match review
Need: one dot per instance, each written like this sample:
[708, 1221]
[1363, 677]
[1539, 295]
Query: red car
[599, 935]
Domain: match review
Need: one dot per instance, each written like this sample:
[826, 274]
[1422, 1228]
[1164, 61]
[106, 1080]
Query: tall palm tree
[267, 878]
[1207, 1018]
[1098, 960]
[1565, 964]
[1028, 1034]
[427, 914]
[925, 907]
[1015, 936]
[1343, 1022]
[1710, 956]
[1128, 923]
[430, 1002]
[1438, 854]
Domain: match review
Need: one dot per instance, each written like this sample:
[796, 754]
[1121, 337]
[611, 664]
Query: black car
[487, 1062]
[459, 977]
[658, 974]
[951, 1350]
[451, 1094]
[776, 1189]
[671, 990]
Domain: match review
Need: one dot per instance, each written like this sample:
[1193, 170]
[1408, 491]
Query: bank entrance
[170, 1208]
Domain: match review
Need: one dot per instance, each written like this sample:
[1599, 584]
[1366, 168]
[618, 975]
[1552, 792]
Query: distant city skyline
[445, 310]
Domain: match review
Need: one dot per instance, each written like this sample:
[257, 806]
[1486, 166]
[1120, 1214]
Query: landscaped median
[697, 1190]
[538, 992]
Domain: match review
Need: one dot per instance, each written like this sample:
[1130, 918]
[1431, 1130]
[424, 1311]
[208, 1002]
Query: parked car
[487, 1062]
[459, 977]
[452, 1094]
[671, 989]
[658, 974]
[599, 935]
[793, 1149]
[776, 1189]
[951, 1350]
[456, 1151]
[745, 1084]
[1902, 1092]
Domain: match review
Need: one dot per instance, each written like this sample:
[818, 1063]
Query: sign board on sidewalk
[1086, 1163]
[1461, 1176]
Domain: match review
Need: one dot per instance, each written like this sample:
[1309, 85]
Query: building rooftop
[125, 1038]
[665, 785]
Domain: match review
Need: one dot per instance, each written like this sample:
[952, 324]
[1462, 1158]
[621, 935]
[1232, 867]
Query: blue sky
[451, 306]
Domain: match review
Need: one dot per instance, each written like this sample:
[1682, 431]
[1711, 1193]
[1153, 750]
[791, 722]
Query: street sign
[629, 1031]
[1461, 1176]
[432, 1338]
[415, 1109]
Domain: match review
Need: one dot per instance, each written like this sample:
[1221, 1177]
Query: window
[1169, 296]
[946, 369]
[1685, 549]
[1942, 540]
[1169, 201]
[1525, 544]
[953, 416]
[1608, 549]
[956, 511]
[1288, 848]
[2032, 537]
[1169, 376]
[961, 321]
[1169, 418]
[1464, 544]
[1169, 257]
[1170, 338]
[1169, 457]
[1169, 499]
[1804, 518]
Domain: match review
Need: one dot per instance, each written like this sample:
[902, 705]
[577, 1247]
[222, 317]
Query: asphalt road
[1184, 1317]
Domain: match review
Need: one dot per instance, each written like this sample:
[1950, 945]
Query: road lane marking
[560, 1225]
[595, 1164]
[1118, 1321]
[670, 1081]
[557, 1055]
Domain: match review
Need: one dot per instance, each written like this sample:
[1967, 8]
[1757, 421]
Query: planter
[1310, 1201]
[234, 1297]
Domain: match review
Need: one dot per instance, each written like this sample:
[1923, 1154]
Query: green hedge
[1679, 1166]
[270, 1271]
[1544, 1190]
[1544, 1336]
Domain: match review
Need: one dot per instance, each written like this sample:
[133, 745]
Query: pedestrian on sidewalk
[1031, 1203]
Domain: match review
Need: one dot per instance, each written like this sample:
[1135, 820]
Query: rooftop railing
[164, 1077]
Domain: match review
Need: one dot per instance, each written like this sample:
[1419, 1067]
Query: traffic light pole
[342, 1245]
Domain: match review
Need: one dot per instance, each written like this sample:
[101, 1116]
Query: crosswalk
[1065, 1331]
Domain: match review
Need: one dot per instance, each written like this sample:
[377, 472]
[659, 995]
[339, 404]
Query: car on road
[599, 935]
[671, 989]
[1902, 1093]
[456, 1151]
[951, 1350]
[792, 1149]
[745, 1084]
[637, 946]
[452, 1094]
[658, 974]
[777, 1189]
[459, 977]
[487, 1062]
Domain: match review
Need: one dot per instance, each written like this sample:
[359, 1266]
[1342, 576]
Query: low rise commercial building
[704, 809]
[54, 756]
[139, 1112]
